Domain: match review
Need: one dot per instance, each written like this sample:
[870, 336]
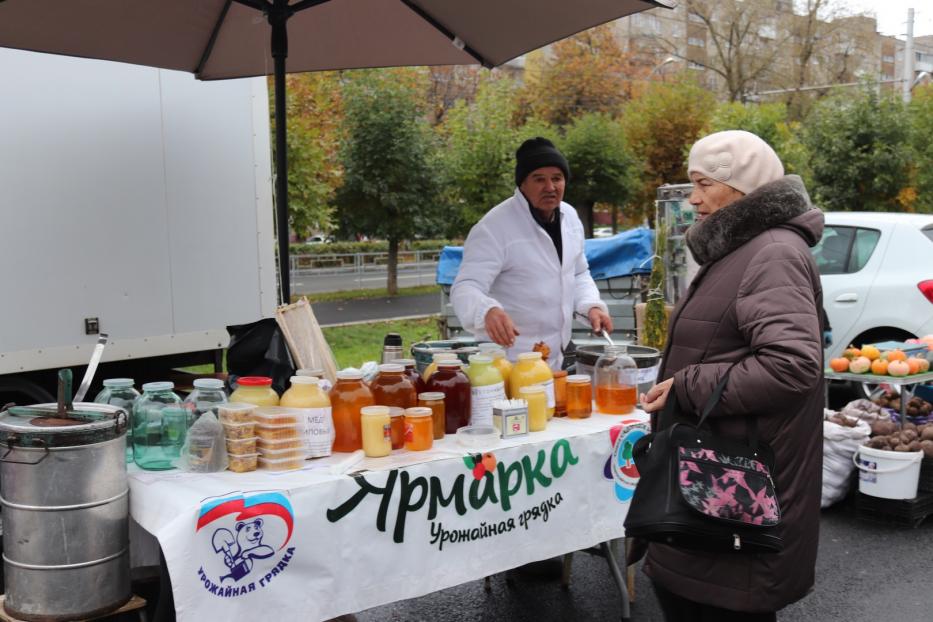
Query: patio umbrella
[218, 39]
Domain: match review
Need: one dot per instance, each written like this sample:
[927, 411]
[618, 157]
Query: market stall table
[322, 543]
[905, 381]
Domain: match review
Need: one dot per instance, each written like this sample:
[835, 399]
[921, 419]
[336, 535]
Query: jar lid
[404, 362]
[560, 373]
[39, 426]
[349, 374]
[455, 364]
[481, 359]
[317, 373]
[488, 346]
[254, 381]
[396, 411]
[391, 368]
[534, 388]
[374, 411]
[308, 380]
[158, 386]
[430, 396]
[209, 383]
[579, 378]
[418, 411]
[529, 356]
[443, 356]
[118, 382]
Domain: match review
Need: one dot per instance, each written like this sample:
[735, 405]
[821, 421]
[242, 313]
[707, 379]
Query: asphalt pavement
[374, 309]
[866, 572]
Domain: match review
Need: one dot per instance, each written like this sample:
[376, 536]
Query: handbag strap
[670, 409]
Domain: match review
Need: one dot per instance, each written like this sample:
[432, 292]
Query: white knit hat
[736, 158]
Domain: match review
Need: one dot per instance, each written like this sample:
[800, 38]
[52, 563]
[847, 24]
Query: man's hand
[599, 320]
[656, 397]
[500, 328]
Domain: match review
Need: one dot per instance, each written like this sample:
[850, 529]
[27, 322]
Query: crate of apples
[869, 360]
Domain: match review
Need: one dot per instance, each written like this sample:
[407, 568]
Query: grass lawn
[362, 294]
[356, 344]
[353, 345]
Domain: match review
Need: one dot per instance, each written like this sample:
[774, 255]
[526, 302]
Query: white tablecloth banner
[318, 545]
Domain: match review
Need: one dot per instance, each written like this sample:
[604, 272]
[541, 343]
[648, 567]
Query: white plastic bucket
[888, 474]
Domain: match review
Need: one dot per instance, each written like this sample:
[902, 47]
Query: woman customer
[756, 302]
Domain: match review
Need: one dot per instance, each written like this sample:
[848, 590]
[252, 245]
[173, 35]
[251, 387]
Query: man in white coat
[524, 273]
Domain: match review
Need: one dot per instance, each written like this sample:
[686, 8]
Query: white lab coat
[509, 261]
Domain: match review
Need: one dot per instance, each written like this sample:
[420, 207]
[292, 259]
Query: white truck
[135, 202]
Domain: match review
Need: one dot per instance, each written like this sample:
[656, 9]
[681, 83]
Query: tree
[857, 155]
[313, 112]
[589, 72]
[478, 159]
[602, 169]
[448, 84]
[921, 125]
[389, 187]
[769, 121]
[660, 126]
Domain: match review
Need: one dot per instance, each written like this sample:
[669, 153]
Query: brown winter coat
[755, 300]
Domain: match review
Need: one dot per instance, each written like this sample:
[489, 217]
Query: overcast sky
[892, 15]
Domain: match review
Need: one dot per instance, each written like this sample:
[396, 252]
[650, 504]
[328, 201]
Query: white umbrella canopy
[218, 39]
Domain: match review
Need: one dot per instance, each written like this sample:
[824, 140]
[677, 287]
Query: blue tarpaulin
[624, 254]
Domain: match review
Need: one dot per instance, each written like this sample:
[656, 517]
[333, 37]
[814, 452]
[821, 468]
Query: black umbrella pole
[278, 15]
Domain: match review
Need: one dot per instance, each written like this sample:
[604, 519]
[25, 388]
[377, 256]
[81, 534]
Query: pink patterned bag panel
[728, 487]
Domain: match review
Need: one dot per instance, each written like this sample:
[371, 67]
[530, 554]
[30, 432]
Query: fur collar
[727, 229]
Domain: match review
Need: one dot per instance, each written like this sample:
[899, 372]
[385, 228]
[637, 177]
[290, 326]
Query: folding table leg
[619, 579]
[565, 571]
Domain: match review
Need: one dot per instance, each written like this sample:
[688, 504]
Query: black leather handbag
[700, 491]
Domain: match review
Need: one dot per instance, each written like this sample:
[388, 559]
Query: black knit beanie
[536, 153]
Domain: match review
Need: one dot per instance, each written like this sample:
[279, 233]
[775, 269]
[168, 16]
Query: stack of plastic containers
[280, 442]
[240, 432]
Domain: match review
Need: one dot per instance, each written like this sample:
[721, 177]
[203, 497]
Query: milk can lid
[42, 426]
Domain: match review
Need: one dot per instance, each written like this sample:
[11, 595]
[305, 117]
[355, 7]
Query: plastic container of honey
[273, 416]
[281, 464]
[278, 432]
[242, 464]
[242, 447]
[236, 413]
[239, 431]
[283, 454]
[279, 444]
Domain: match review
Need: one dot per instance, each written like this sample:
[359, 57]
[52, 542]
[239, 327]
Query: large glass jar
[500, 362]
[450, 380]
[119, 392]
[436, 358]
[391, 387]
[531, 369]
[347, 397]
[255, 390]
[159, 425]
[411, 372]
[306, 394]
[616, 381]
[486, 387]
[208, 394]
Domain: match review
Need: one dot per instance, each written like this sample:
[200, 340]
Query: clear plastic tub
[235, 413]
[277, 432]
[242, 447]
[239, 431]
[284, 464]
[275, 415]
[242, 464]
[478, 436]
[280, 444]
[282, 454]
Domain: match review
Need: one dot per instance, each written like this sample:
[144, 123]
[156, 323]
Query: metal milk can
[65, 506]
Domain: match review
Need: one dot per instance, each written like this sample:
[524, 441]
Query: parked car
[319, 239]
[602, 232]
[877, 274]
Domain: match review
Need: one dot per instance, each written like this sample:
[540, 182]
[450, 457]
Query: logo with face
[620, 466]
[248, 538]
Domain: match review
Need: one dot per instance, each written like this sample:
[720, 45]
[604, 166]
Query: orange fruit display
[870, 352]
[839, 365]
[896, 355]
[879, 367]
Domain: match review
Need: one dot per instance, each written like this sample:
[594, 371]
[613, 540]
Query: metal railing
[422, 263]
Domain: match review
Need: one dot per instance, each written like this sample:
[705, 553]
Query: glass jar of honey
[531, 369]
[560, 393]
[616, 381]
[435, 401]
[436, 358]
[376, 431]
[450, 380]
[536, 397]
[255, 390]
[411, 372]
[391, 387]
[397, 421]
[419, 428]
[348, 396]
[486, 387]
[579, 396]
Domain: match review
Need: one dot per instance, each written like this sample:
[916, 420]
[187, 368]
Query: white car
[877, 274]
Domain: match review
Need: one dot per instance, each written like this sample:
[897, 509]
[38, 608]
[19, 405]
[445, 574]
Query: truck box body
[136, 196]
